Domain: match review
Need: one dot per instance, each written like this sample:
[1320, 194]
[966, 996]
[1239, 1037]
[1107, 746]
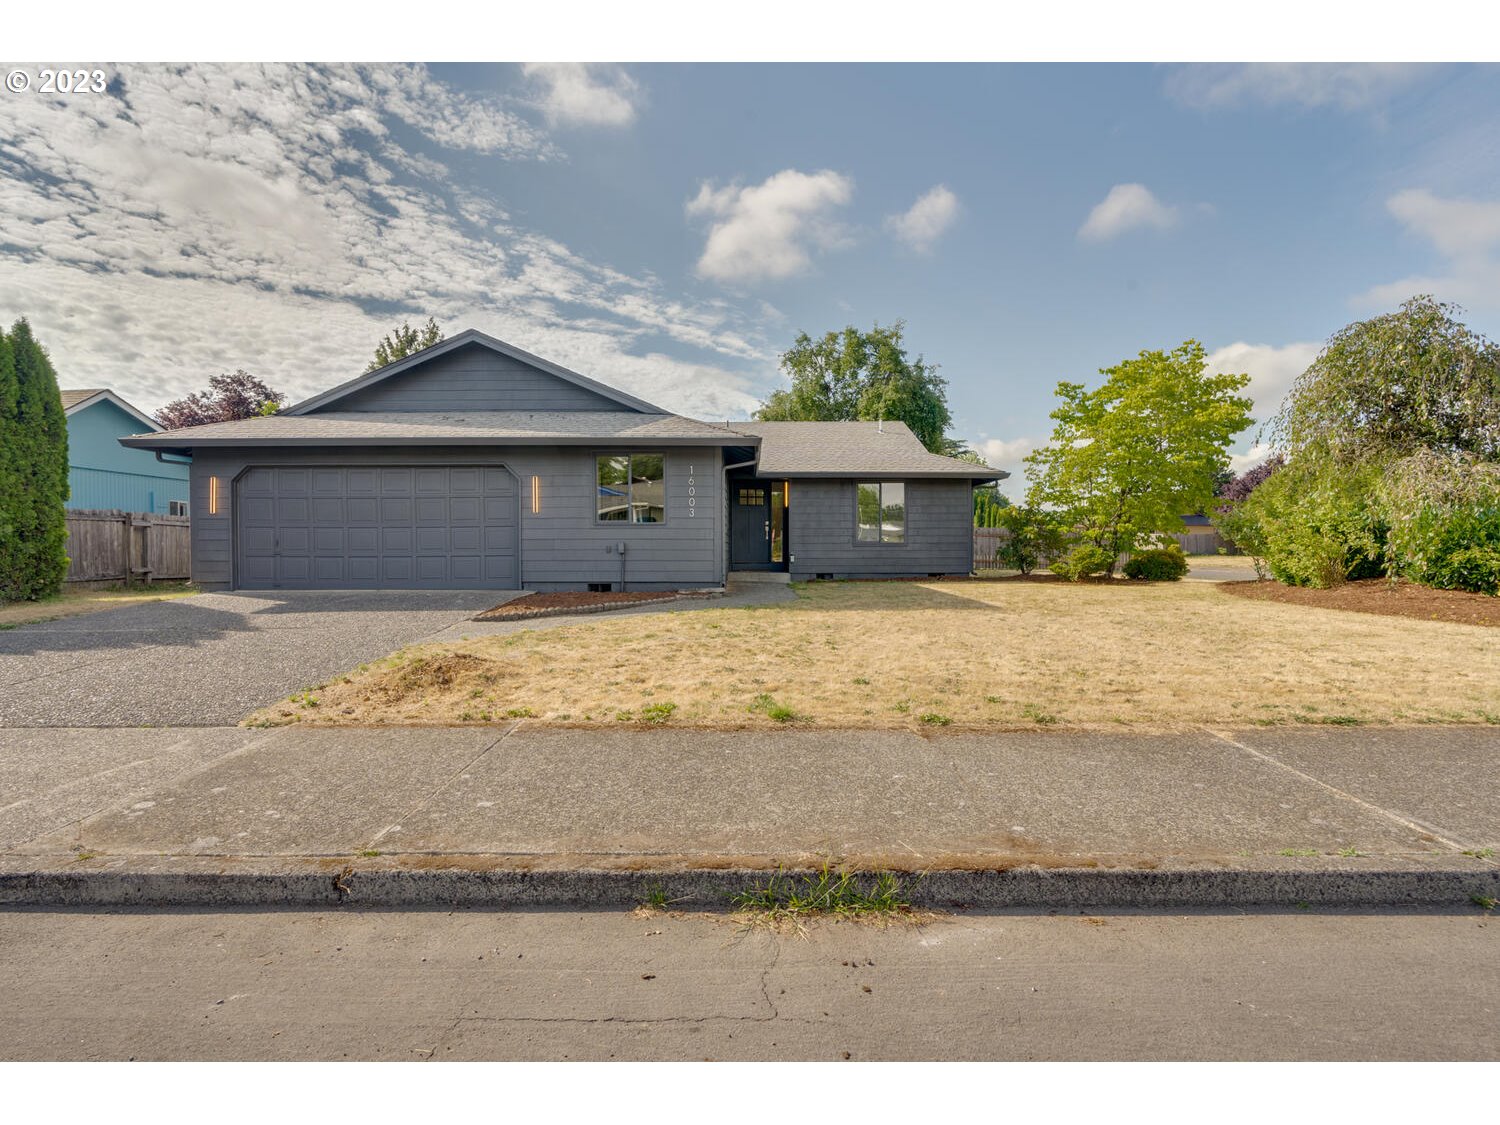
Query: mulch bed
[1377, 595]
[536, 605]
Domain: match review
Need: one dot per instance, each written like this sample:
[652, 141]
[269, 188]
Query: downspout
[724, 492]
[164, 461]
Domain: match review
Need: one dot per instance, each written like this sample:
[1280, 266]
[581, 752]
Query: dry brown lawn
[990, 655]
[71, 603]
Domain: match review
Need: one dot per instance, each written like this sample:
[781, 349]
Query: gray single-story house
[473, 464]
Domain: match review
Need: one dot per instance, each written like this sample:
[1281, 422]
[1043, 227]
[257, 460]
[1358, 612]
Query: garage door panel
[291, 482]
[362, 510]
[328, 482]
[362, 482]
[291, 509]
[394, 511]
[327, 509]
[330, 541]
[257, 511]
[423, 526]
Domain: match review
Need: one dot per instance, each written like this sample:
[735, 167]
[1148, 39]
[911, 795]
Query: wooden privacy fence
[987, 542]
[111, 546]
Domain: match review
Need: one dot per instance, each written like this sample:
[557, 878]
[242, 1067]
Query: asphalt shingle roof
[71, 399]
[793, 449]
[476, 427]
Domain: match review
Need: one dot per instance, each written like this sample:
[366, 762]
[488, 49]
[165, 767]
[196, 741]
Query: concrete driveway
[211, 659]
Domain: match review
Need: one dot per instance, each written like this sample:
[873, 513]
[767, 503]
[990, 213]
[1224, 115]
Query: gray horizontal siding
[562, 546]
[939, 531]
[474, 378]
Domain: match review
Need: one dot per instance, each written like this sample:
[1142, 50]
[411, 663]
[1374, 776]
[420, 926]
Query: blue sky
[670, 228]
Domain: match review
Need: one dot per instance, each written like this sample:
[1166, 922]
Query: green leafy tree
[1415, 379]
[12, 488]
[404, 341]
[1129, 457]
[34, 561]
[1035, 538]
[854, 376]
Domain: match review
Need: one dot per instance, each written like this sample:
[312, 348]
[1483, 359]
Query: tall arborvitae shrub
[11, 492]
[39, 450]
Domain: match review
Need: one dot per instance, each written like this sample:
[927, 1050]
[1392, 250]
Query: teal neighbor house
[104, 474]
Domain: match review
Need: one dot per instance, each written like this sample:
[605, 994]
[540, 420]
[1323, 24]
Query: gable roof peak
[453, 343]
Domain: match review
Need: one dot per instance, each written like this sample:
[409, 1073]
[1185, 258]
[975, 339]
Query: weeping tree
[33, 471]
[1390, 439]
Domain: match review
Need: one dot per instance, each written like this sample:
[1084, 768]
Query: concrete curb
[488, 882]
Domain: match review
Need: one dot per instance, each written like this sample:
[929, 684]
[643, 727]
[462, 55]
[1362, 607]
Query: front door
[757, 525]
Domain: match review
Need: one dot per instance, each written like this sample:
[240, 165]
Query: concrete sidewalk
[303, 802]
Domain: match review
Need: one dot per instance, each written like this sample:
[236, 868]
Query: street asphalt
[465, 985]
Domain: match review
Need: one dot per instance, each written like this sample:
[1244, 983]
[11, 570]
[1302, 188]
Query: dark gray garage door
[438, 527]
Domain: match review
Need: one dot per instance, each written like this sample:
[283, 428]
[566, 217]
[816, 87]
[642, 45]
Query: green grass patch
[657, 713]
[776, 712]
[828, 893]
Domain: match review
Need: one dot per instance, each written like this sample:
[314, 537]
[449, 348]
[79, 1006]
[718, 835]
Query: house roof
[468, 427]
[844, 449]
[74, 401]
[453, 343]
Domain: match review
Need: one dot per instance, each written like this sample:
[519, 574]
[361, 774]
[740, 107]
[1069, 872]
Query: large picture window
[632, 488]
[880, 512]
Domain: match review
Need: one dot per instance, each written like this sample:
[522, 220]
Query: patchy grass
[72, 603]
[984, 655]
[785, 900]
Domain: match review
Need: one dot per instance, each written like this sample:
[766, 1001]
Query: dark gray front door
[750, 525]
[439, 527]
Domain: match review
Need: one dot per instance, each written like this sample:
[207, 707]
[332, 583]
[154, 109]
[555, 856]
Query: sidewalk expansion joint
[427, 800]
[1412, 825]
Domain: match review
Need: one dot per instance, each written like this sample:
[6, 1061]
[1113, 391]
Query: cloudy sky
[670, 228]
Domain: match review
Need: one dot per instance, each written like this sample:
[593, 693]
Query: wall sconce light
[213, 496]
[536, 495]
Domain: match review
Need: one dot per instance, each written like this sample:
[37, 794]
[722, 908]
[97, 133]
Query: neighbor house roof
[467, 427]
[845, 449]
[74, 401]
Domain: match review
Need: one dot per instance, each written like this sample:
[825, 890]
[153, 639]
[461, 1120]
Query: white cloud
[268, 217]
[1005, 454]
[1272, 369]
[1126, 207]
[765, 230]
[1464, 231]
[926, 220]
[1240, 462]
[585, 93]
[1346, 86]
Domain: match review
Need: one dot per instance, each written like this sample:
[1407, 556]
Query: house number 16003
[692, 501]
